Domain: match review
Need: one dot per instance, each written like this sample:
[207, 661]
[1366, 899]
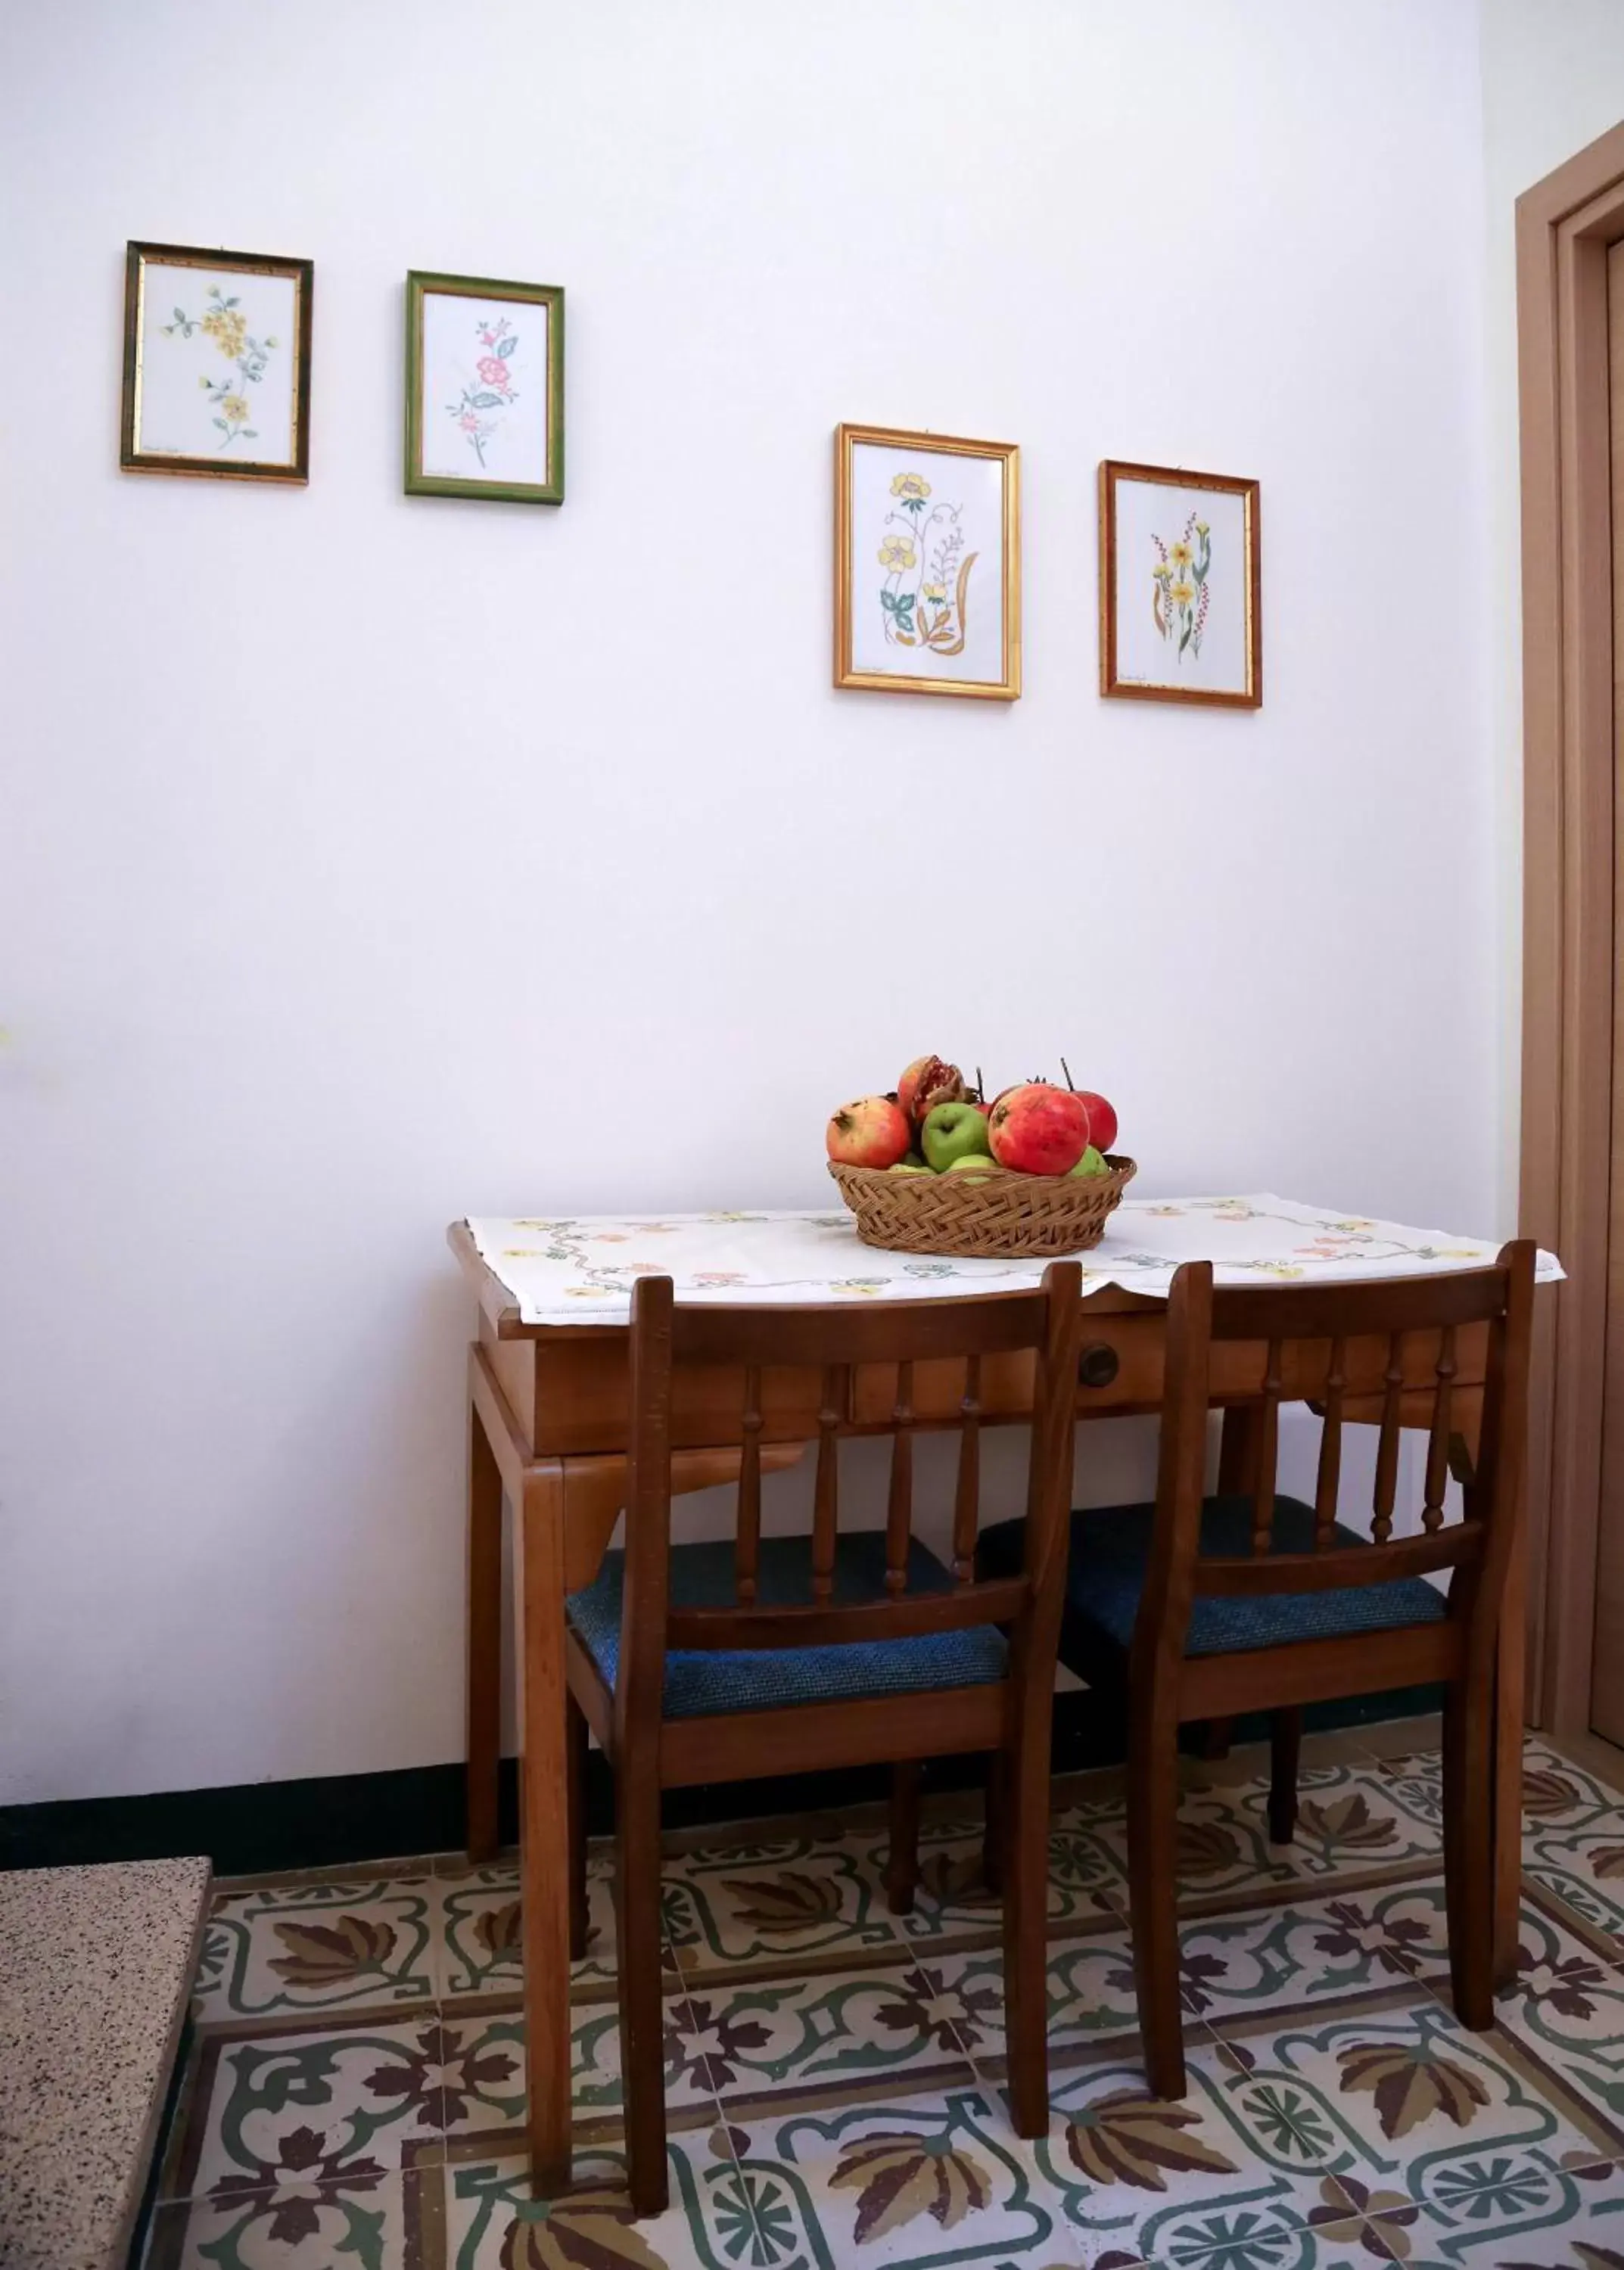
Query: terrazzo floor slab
[834, 2075]
[96, 1964]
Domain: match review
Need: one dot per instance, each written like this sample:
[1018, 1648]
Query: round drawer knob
[1098, 1365]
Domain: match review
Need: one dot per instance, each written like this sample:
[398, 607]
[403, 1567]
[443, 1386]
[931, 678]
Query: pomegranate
[1038, 1130]
[927, 1082]
[873, 1132]
[1102, 1120]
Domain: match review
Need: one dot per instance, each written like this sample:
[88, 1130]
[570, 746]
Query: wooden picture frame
[210, 388]
[916, 516]
[494, 398]
[1164, 639]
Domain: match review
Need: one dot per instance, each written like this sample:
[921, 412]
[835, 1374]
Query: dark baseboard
[261, 1826]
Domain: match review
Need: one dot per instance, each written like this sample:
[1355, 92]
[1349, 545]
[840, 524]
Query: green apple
[974, 1164]
[1090, 1163]
[952, 1132]
[910, 1167]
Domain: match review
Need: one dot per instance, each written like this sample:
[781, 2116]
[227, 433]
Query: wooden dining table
[547, 1395]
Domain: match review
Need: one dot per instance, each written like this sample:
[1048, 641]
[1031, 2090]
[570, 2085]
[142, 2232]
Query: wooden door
[1607, 1663]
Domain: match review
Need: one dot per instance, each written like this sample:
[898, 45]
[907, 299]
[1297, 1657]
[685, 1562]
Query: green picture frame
[483, 389]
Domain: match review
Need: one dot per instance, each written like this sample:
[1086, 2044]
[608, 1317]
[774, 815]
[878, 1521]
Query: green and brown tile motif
[834, 2075]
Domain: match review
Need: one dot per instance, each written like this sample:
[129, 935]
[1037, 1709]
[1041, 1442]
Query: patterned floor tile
[488, 2220]
[897, 2027]
[479, 1932]
[1136, 2178]
[1558, 1793]
[834, 2075]
[332, 1944]
[293, 2105]
[1091, 1996]
[1565, 2007]
[1292, 1952]
[1583, 1868]
[485, 2049]
[1085, 1879]
[360, 2222]
[1354, 1825]
[911, 2182]
[1583, 2229]
[791, 1898]
[1397, 2098]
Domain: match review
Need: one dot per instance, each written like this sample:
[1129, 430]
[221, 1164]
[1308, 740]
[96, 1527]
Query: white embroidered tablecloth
[579, 1269]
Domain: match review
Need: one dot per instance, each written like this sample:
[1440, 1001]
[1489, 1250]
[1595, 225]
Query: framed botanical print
[217, 364]
[927, 563]
[1180, 587]
[485, 389]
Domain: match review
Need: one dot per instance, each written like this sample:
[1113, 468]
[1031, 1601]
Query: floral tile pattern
[480, 1933]
[834, 2075]
[783, 1900]
[346, 1942]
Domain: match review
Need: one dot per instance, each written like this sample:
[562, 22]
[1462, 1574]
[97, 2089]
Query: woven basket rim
[1121, 1170]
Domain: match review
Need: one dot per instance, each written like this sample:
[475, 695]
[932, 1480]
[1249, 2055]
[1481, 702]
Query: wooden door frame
[1565, 225]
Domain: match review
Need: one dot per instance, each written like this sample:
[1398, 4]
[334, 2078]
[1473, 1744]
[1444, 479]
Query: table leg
[544, 1823]
[484, 1649]
[1510, 1703]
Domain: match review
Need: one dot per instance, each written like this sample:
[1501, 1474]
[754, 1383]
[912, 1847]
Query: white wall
[369, 861]
[1553, 80]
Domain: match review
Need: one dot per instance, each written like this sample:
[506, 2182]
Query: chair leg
[1468, 1853]
[1217, 1740]
[1152, 1896]
[1025, 1938]
[903, 1860]
[575, 1741]
[637, 1935]
[1284, 1749]
[995, 1837]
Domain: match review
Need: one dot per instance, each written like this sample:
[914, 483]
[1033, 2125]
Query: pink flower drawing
[494, 389]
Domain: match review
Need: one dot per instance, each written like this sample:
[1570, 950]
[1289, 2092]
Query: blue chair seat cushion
[701, 1683]
[1105, 1575]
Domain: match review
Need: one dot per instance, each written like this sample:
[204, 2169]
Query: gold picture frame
[1178, 646]
[210, 390]
[915, 617]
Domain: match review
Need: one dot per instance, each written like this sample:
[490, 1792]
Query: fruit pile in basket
[934, 1123]
[937, 1168]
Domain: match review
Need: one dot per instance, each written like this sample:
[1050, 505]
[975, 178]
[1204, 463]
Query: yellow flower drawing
[1162, 571]
[1180, 554]
[910, 485]
[1202, 528]
[895, 553]
[936, 593]
[227, 328]
[225, 324]
[1182, 594]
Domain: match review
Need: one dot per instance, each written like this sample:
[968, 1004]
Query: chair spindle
[826, 1489]
[967, 1490]
[1438, 1440]
[1268, 1441]
[1327, 1480]
[899, 1509]
[1387, 1446]
[747, 1543]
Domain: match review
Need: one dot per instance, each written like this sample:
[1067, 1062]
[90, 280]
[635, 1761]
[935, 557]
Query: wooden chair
[1204, 1609]
[717, 1662]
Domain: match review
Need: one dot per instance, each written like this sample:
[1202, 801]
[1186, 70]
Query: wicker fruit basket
[994, 1215]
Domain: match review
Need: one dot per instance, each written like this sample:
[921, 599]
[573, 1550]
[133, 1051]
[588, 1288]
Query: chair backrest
[1387, 1350]
[834, 1340]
